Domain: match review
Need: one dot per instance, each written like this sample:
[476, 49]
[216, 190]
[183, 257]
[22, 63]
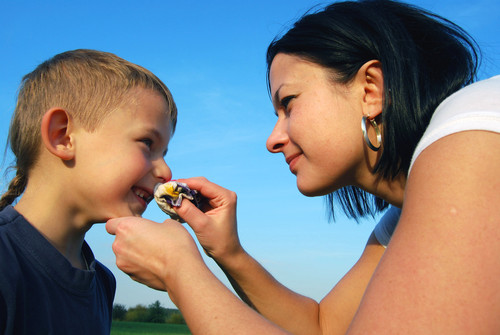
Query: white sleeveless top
[474, 107]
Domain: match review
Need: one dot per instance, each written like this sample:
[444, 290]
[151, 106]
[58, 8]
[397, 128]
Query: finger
[111, 226]
[193, 216]
[215, 195]
[205, 187]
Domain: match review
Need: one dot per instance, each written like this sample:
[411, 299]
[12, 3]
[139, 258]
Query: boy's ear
[56, 133]
[372, 79]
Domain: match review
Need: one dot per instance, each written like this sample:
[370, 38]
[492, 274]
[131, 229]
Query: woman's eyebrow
[276, 97]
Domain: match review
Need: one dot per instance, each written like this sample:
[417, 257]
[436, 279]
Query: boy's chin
[125, 213]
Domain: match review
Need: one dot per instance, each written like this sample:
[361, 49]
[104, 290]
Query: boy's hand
[152, 253]
[215, 224]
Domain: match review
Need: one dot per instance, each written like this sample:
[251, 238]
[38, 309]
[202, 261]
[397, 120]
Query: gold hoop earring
[365, 133]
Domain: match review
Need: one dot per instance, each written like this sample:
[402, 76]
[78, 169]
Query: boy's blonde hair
[89, 85]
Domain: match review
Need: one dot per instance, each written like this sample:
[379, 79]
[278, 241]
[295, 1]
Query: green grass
[143, 328]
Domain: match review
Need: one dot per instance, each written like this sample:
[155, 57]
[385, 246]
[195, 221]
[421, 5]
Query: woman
[391, 68]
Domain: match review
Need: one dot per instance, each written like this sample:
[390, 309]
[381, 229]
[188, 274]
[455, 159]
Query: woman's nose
[277, 139]
[161, 170]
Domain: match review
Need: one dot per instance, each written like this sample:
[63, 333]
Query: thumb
[111, 226]
[193, 216]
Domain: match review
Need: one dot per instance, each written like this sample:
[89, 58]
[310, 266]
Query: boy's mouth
[143, 194]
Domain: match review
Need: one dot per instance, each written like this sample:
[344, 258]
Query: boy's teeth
[144, 195]
[140, 194]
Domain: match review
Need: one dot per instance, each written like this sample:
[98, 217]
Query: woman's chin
[311, 191]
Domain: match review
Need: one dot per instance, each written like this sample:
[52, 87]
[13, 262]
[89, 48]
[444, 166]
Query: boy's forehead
[139, 99]
[150, 107]
[138, 121]
[140, 95]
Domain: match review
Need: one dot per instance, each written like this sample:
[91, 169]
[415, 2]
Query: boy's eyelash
[148, 142]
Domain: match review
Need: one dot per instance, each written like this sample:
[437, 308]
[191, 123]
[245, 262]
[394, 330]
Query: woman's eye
[286, 101]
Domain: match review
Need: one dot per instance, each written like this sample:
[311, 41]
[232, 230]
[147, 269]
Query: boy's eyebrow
[155, 132]
[158, 135]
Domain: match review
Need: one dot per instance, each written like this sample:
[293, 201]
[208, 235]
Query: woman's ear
[371, 77]
[56, 133]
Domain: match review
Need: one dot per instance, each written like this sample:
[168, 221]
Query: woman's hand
[153, 253]
[215, 224]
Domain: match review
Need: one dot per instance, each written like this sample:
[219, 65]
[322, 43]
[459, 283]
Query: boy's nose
[162, 171]
[277, 139]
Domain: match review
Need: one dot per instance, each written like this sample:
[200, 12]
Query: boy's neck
[55, 222]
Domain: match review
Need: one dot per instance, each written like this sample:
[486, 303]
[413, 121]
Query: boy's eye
[148, 142]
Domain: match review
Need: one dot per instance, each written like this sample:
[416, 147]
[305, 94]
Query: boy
[89, 132]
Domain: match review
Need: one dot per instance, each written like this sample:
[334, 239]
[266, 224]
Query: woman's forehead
[287, 70]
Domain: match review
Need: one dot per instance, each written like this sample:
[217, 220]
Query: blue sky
[211, 54]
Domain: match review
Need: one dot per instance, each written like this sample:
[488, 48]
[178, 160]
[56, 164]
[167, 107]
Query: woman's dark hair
[425, 58]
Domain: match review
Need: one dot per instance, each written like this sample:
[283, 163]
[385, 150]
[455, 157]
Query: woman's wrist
[183, 273]
[235, 262]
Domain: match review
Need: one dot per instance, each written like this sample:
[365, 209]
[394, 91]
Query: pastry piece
[170, 195]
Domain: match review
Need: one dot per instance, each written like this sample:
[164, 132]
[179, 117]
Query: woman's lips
[292, 161]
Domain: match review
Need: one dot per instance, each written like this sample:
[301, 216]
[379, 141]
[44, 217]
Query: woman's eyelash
[286, 100]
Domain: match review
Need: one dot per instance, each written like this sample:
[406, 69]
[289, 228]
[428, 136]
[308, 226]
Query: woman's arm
[299, 314]
[441, 271]
[165, 257]
[291, 311]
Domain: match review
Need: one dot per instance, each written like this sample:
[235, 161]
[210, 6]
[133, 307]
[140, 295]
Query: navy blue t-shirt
[41, 292]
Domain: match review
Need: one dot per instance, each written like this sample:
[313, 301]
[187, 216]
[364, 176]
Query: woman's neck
[391, 190]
